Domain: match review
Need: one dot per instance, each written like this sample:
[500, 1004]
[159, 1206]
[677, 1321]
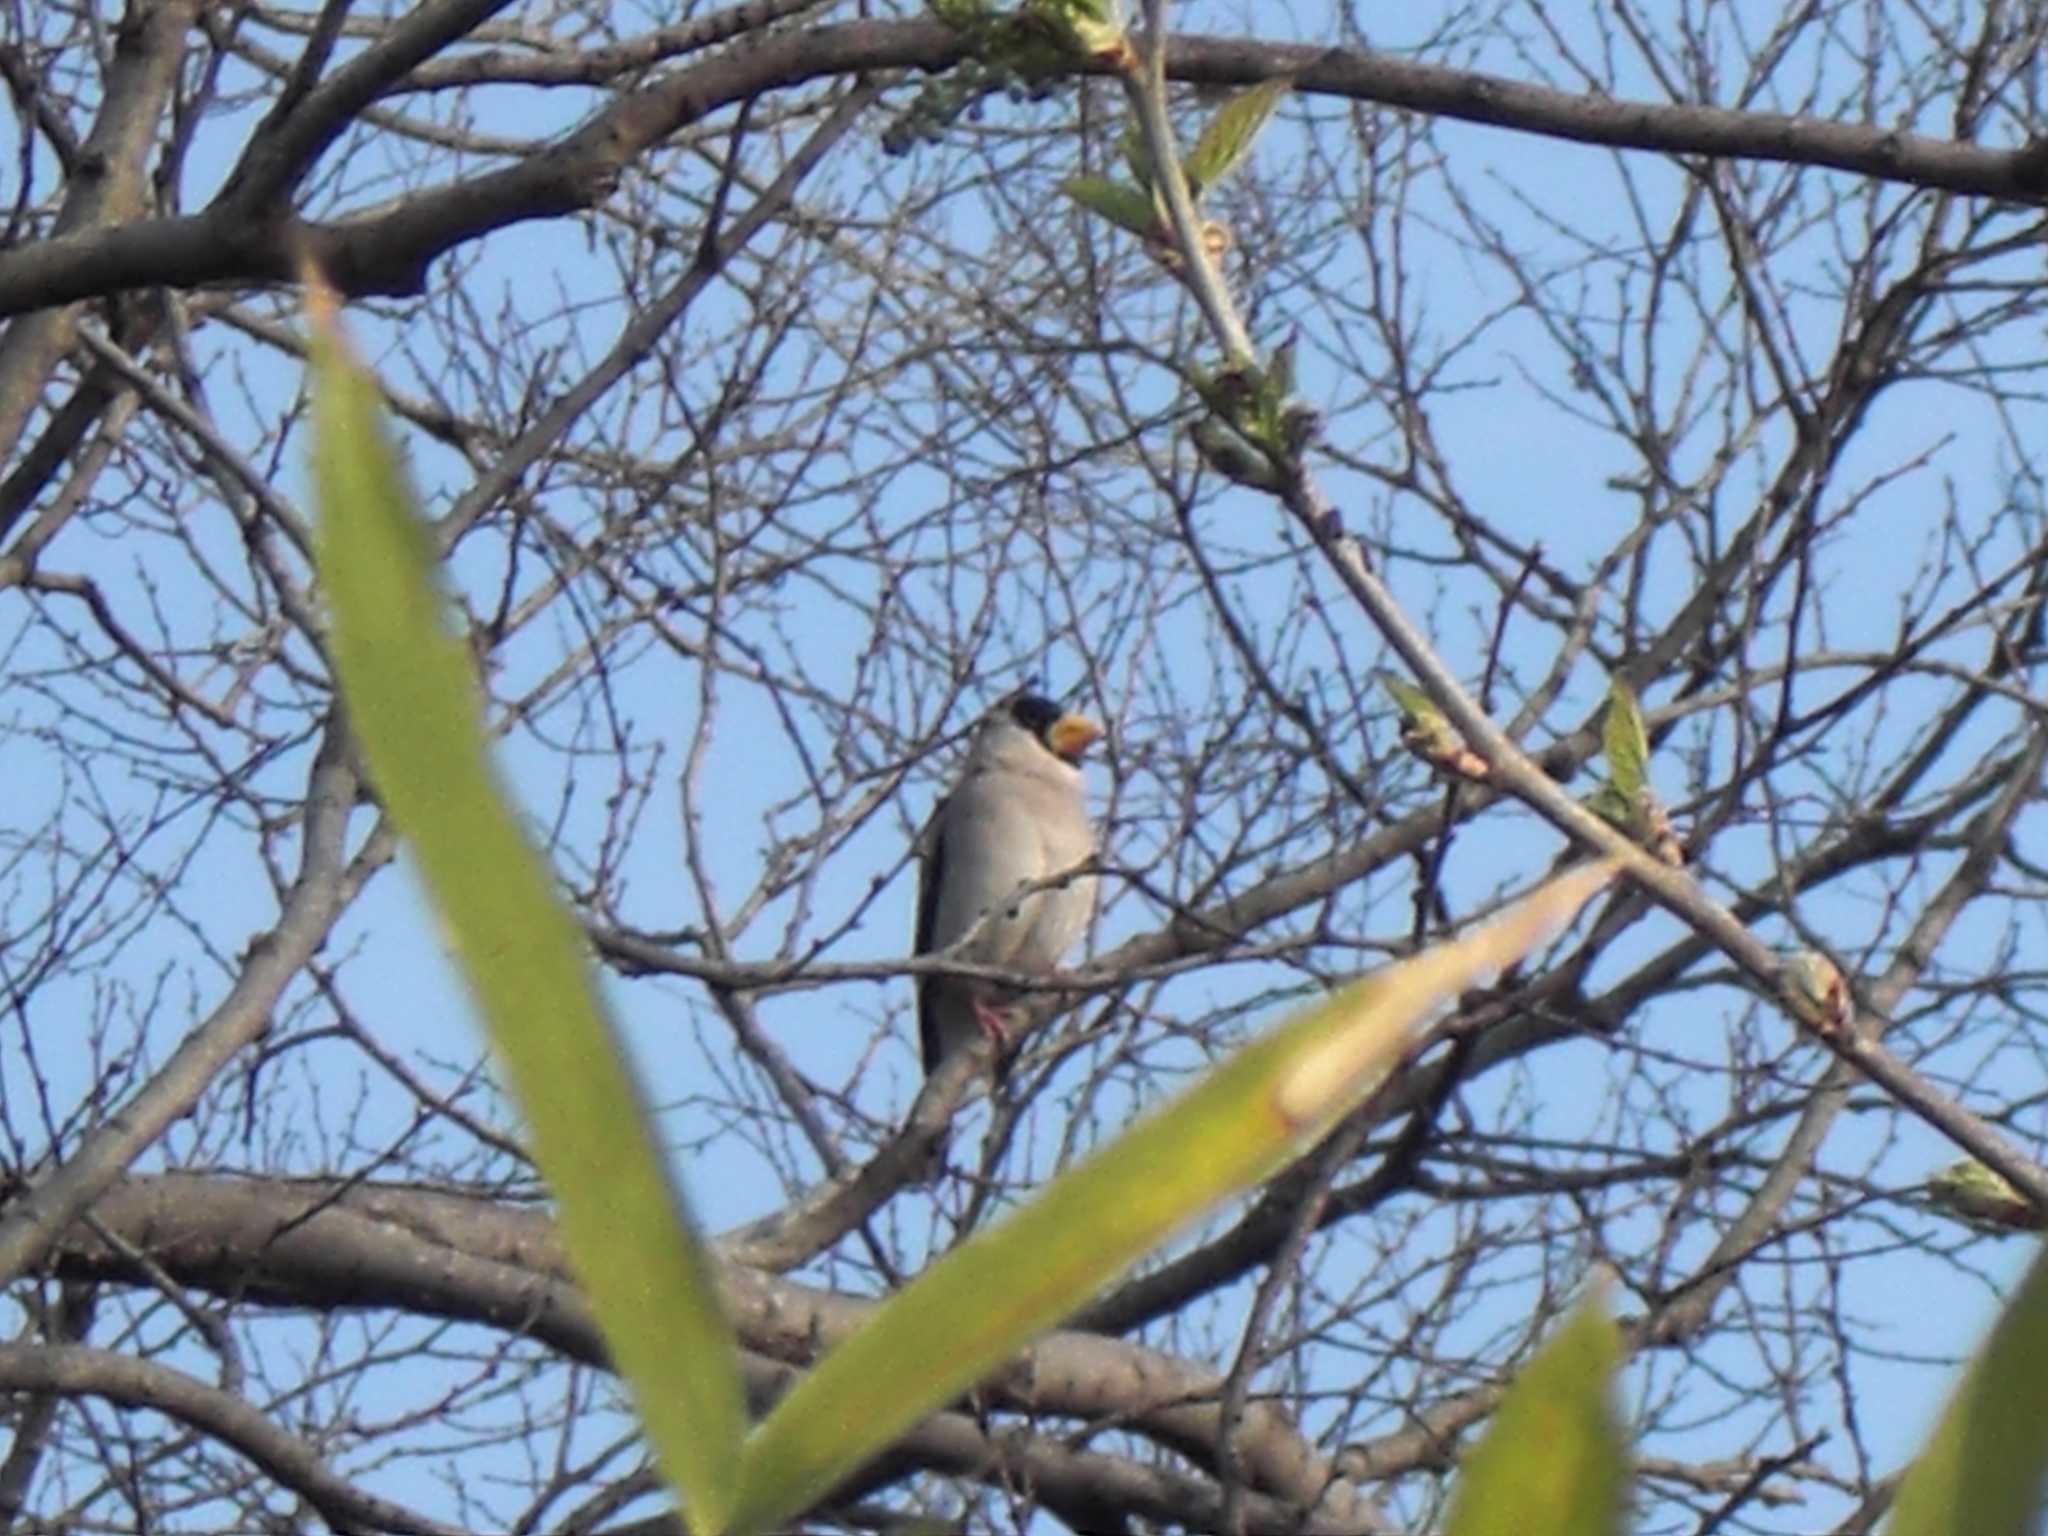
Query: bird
[1016, 817]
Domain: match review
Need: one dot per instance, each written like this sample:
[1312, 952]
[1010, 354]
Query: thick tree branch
[326, 1245]
[149, 48]
[389, 251]
[74, 1370]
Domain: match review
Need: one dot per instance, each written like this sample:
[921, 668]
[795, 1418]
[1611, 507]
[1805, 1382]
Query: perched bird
[1016, 817]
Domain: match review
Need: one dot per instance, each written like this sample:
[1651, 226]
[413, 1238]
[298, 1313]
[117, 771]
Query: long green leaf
[1553, 1461]
[1984, 1467]
[1228, 137]
[1124, 206]
[1419, 712]
[1971, 1192]
[990, 1296]
[412, 699]
[1137, 159]
[1626, 742]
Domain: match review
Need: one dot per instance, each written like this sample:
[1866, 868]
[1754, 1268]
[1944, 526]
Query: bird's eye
[1035, 713]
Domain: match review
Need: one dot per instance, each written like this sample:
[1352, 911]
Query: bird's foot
[994, 1022]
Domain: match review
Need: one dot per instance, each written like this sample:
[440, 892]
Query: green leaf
[1982, 1470]
[1984, 1198]
[1626, 742]
[1102, 13]
[978, 1305]
[1815, 987]
[1137, 159]
[1419, 708]
[1427, 731]
[1124, 206]
[1232, 455]
[1553, 1460]
[1231, 393]
[1092, 29]
[412, 699]
[1613, 807]
[1228, 137]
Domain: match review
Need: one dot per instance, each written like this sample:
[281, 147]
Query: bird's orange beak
[1071, 735]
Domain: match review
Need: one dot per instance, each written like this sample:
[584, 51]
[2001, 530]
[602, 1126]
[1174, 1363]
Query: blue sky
[1533, 460]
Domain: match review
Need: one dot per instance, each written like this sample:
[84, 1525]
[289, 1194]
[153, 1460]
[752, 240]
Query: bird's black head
[1035, 712]
[1064, 734]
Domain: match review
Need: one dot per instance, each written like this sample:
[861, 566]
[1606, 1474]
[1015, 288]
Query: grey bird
[1016, 817]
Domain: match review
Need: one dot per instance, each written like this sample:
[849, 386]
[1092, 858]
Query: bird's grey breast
[1002, 831]
[1065, 839]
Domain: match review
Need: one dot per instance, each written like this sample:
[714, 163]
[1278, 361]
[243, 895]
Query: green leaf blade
[980, 1303]
[1228, 137]
[1983, 1469]
[411, 692]
[1973, 1193]
[1416, 705]
[1124, 206]
[1626, 741]
[1613, 807]
[1137, 159]
[1554, 1459]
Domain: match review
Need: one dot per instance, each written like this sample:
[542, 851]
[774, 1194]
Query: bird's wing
[988, 843]
[931, 877]
[931, 874]
[982, 846]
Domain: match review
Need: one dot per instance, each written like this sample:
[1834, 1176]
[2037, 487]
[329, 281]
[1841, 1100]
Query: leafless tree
[776, 413]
